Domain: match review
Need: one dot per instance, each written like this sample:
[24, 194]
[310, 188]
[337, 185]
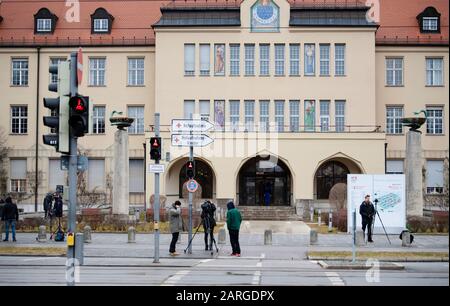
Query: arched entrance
[203, 175]
[263, 182]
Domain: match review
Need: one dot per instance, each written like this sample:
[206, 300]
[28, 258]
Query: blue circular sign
[192, 185]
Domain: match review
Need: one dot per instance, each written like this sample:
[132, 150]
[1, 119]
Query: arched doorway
[263, 182]
[329, 174]
[203, 175]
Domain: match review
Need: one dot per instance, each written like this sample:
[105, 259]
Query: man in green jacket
[234, 220]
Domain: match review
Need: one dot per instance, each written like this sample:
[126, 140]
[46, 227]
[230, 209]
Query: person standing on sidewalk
[176, 225]
[10, 215]
[367, 212]
[234, 220]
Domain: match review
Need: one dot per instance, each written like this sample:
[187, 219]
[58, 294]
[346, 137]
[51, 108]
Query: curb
[358, 266]
[384, 259]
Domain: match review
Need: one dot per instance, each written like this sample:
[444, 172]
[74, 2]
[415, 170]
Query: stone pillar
[120, 178]
[413, 174]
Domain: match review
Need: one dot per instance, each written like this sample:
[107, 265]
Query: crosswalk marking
[171, 281]
[334, 279]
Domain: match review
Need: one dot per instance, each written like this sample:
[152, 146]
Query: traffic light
[190, 169]
[155, 148]
[79, 115]
[60, 108]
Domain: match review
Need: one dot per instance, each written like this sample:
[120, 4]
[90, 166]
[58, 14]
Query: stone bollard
[222, 236]
[360, 238]
[268, 237]
[87, 232]
[406, 239]
[131, 234]
[42, 235]
[313, 237]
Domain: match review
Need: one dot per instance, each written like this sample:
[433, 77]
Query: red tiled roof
[133, 20]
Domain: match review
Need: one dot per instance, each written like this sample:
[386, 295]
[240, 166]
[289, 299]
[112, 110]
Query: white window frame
[430, 23]
[22, 120]
[279, 59]
[434, 189]
[279, 115]
[136, 71]
[294, 115]
[101, 25]
[434, 122]
[264, 115]
[22, 70]
[98, 118]
[395, 71]
[205, 59]
[189, 67]
[339, 115]
[312, 48]
[434, 72]
[394, 113]
[18, 185]
[324, 106]
[97, 74]
[249, 59]
[249, 114]
[324, 50]
[235, 59]
[234, 115]
[264, 59]
[294, 59]
[44, 25]
[203, 115]
[339, 59]
[136, 112]
[395, 160]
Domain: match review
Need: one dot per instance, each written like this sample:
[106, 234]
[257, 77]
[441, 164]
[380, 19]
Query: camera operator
[209, 223]
[367, 212]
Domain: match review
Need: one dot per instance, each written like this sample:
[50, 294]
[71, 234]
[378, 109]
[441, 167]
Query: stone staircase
[277, 213]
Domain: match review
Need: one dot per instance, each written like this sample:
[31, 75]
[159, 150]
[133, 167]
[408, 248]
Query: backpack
[59, 234]
[411, 237]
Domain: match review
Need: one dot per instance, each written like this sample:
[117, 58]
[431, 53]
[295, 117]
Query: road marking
[313, 262]
[263, 255]
[171, 281]
[206, 260]
[41, 258]
[259, 264]
[256, 278]
[335, 279]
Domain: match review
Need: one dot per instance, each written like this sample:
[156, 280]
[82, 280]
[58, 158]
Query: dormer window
[44, 22]
[429, 20]
[101, 22]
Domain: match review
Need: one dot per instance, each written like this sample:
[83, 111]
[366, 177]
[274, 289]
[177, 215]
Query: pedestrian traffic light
[155, 148]
[79, 115]
[59, 107]
[190, 169]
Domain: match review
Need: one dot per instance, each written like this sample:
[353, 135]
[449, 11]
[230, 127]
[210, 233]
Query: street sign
[190, 125]
[156, 168]
[195, 140]
[192, 185]
[82, 163]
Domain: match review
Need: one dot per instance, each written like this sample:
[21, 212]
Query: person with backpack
[47, 204]
[57, 212]
[10, 215]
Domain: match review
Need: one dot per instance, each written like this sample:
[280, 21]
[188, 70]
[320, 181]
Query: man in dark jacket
[48, 204]
[234, 220]
[209, 223]
[10, 215]
[367, 212]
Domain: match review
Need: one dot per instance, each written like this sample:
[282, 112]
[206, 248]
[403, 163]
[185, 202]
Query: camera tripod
[381, 221]
[208, 234]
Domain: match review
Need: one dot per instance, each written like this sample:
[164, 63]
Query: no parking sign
[192, 186]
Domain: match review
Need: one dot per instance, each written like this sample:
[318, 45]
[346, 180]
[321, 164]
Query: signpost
[188, 133]
[156, 168]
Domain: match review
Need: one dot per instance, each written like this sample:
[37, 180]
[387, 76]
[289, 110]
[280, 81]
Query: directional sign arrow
[190, 125]
[195, 140]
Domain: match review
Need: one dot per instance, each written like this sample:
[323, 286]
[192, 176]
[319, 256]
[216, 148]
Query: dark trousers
[234, 239]
[208, 245]
[367, 222]
[174, 241]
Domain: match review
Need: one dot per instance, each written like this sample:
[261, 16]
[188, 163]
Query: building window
[435, 176]
[324, 60]
[56, 176]
[294, 59]
[310, 59]
[429, 20]
[339, 58]
[249, 115]
[324, 116]
[340, 116]
[44, 25]
[234, 115]
[55, 61]
[189, 109]
[249, 59]
[101, 22]
[394, 71]
[394, 166]
[98, 118]
[430, 24]
[20, 72]
[394, 114]
[264, 115]
[435, 120]
[189, 59]
[96, 174]
[100, 25]
[279, 59]
[205, 59]
[264, 59]
[204, 110]
[44, 21]
[294, 115]
[136, 178]
[97, 68]
[18, 175]
[19, 119]
[279, 115]
[435, 71]
[136, 112]
[135, 71]
[234, 59]
[310, 115]
[328, 175]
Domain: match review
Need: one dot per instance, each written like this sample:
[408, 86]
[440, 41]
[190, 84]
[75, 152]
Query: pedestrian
[208, 210]
[176, 225]
[234, 220]
[367, 212]
[10, 215]
[47, 204]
